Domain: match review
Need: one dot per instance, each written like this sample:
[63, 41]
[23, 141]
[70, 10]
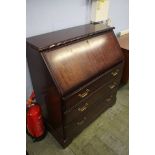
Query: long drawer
[100, 104]
[103, 93]
[112, 74]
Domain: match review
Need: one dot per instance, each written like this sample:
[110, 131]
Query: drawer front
[104, 93]
[113, 74]
[82, 122]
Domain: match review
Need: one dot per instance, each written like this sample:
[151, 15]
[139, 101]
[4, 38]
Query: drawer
[96, 109]
[112, 74]
[103, 93]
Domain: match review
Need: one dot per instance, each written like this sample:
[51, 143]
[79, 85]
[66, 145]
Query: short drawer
[112, 74]
[103, 93]
[82, 122]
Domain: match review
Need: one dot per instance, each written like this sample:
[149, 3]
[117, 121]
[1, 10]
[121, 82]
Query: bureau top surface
[45, 41]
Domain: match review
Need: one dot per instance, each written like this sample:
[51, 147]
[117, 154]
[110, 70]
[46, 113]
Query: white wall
[49, 15]
[119, 14]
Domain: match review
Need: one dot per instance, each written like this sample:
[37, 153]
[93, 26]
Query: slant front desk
[75, 74]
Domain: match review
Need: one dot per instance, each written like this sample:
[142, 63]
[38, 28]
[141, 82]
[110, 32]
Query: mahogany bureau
[75, 74]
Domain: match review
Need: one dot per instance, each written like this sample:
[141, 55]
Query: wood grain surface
[48, 40]
[73, 65]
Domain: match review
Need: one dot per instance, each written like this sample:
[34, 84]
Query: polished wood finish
[80, 123]
[76, 81]
[84, 105]
[92, 86]
[124, 43]
[79, 62]
[66, 36]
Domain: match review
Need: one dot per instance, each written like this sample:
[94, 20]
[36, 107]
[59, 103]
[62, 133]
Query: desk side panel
[46, 93]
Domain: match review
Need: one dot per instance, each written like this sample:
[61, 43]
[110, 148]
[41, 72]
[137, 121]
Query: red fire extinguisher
[34, 120]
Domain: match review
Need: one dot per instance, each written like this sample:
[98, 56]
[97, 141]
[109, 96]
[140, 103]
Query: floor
[108, 135]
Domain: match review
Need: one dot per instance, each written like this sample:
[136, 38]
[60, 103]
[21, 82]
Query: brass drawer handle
[115, 72]
[112, 86]
[84, 94]
[81, 122]
[83, 108]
